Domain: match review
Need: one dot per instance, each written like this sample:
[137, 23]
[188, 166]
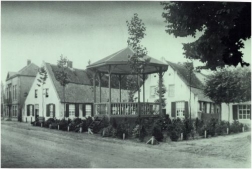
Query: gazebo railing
[126, 109]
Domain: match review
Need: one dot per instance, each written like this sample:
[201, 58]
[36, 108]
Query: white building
[184, 90]
[238, 111]
[49, 101]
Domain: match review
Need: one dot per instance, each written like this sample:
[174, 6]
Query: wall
[181, 91]
[224, 113]
[53, 98]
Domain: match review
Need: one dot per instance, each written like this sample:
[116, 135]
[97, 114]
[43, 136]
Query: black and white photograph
[125, 84]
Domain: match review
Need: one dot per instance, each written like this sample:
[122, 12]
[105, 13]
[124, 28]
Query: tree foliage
[229, 86]
[225, 26]
[43, 76]
[161, 91]
[136, 30]
[61, 75]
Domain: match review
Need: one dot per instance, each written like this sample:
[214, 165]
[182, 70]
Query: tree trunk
[64, 101]
[228, 113]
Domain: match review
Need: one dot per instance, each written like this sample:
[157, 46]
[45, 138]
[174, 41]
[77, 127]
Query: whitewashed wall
[52, 99]
[181, 91]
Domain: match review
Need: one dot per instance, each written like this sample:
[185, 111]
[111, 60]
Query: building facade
[48, 100]
[17, 87]
[237, 111]
[184, 93]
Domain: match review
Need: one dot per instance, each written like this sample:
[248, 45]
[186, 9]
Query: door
[36, 111]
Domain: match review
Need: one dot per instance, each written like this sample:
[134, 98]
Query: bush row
[157, 127]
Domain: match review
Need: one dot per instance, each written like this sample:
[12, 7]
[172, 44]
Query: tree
[229, 86]
[161, 90]
[136, 30]
[62, 76]
[41, 81]
[225, 26]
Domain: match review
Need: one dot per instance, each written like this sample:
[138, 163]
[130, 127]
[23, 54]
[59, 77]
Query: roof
[201, 95]
[120, 62]
[79, 89]
[29, 70]
[184, 74]
[76, 76]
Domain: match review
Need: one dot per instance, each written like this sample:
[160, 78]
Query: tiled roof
[185, 75]
[29, 70]
[120, 60]
[201, 95]
[79, 89]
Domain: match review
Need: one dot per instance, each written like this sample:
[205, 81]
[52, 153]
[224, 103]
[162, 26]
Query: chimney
[28, 62]
[70, 64]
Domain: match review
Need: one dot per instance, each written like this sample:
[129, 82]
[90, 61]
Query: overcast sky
[81, 31]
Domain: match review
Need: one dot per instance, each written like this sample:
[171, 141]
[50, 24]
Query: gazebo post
[143, 88]
[94, 88]
[100, 85]
[160, 86]
[120, 91]
[109, 107]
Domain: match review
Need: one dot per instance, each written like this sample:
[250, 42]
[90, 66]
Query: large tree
[137, 62]
[225, 25]
[229, 86]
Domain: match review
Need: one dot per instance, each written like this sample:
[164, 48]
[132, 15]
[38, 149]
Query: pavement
[26, 146]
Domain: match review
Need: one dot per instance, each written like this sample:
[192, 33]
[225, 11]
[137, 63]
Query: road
[26, 146]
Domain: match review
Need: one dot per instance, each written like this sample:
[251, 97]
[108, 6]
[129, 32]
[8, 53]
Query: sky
[82, 31]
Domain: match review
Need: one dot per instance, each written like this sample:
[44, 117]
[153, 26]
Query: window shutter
[28, 110]
[76, 110]
[53, 110]
[83, 110]
[235, 113]
[47, 110]
[92, 110]
[32, 110]
[186, 110]
[173, 109]
[67, 110]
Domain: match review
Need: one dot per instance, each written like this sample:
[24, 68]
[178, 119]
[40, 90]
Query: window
[30, 110]
[180, 109]
[152, 91]
[88, 109]
[46, 93]
[51, 110]
[80, 110]
[36, 93]
[212, 105]
[244, 111]
[171, 90]
[71, 110]
[14, 111]
[15, 92]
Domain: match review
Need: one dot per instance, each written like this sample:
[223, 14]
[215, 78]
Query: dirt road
[30, 147]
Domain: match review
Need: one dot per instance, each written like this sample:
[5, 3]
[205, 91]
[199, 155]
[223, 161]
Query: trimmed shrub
[139, 132]
[236, 127]
[48, 122]
[187, 128]
[175, 129]
[63, 124]
[221, 127]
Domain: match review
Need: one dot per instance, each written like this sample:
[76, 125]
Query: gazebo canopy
[119, 63]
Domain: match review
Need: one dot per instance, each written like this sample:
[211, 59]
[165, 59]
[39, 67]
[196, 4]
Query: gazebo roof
[120, 65]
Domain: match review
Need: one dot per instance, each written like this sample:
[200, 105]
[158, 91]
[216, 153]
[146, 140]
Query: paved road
[31, 147]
